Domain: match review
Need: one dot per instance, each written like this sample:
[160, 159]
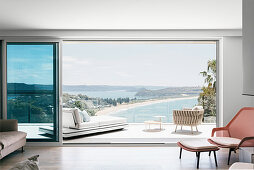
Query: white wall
[232, 74]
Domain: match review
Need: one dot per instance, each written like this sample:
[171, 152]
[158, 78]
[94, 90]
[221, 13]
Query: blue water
[142, 113]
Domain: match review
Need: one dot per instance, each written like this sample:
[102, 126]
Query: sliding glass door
[32, 88]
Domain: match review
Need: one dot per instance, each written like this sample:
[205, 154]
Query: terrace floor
[133, 133]
[137, 133]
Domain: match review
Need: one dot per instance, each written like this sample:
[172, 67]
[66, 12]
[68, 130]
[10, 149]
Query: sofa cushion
[77, 117]
[198, 144]
[226, 141]
[68, 118]
[87, 125]
[98, 121]
[109, 120]
[8, 138]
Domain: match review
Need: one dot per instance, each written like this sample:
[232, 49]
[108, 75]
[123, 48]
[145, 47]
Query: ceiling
[120, 14]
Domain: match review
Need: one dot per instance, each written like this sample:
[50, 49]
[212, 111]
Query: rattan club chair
[188, 117]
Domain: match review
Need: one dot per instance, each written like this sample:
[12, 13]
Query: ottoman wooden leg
[180, 156]
[198, 157]
[215, 159]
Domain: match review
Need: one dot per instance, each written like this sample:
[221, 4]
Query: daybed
[73, 124]
[10, 138]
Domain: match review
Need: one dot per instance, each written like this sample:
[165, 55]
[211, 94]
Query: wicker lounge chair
[188, 117]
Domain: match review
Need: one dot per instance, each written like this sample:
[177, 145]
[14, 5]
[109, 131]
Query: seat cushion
[242, 165]
[8, 138]
[226, 141]
[198, 144]
[99, 121]
[108, 120]
[87, 125]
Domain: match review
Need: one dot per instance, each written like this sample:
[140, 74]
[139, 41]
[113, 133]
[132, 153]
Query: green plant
[207, 98]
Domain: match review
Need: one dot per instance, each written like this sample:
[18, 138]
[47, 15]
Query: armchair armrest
[218, 129]
[8, 125]
[243, 140]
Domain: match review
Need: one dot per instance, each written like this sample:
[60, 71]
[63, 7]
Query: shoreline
[114, 109]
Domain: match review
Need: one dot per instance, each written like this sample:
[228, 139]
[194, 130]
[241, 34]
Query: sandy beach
[113, 109]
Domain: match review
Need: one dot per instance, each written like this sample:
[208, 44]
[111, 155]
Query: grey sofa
[10, 138]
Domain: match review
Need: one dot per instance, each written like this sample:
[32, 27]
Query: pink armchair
[239, 132]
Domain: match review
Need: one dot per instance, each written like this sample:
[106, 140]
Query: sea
[140, 114]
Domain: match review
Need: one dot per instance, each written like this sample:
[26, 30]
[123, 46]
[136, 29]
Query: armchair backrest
[8, 125]
[188, 117]
[242, 125]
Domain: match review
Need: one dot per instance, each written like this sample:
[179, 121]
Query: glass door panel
[32, 89]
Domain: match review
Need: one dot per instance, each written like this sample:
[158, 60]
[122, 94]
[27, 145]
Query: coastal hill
[170, 91]
[72, 88]
[140, 91]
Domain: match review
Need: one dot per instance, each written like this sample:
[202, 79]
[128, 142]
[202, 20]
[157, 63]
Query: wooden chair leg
[210, 153]
[176, 128]
[22, 149]
[198, 157]
[181, 127]
[191, 130]
[215, 159]
[197, 128]
[180, 156]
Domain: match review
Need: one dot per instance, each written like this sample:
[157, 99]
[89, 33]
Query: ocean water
[142, 113]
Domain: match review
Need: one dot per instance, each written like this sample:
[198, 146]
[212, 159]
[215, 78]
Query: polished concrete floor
[116, 158]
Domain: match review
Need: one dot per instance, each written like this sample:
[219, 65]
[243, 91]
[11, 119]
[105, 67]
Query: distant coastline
[114, 109]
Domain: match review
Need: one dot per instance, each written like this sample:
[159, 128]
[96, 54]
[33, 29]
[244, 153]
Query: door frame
[59, 40]
[57, 79]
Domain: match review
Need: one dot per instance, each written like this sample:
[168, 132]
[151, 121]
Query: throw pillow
[77, 117]
[29, 164]
[85, 116]
[197, 108]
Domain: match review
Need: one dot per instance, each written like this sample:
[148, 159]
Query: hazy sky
[30, 64]
[136, 63]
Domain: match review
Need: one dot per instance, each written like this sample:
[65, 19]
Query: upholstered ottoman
[241, 165]
[198, 146]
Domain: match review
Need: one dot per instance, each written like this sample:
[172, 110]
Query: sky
[112, 63]
[30, 64]
[136, 63]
